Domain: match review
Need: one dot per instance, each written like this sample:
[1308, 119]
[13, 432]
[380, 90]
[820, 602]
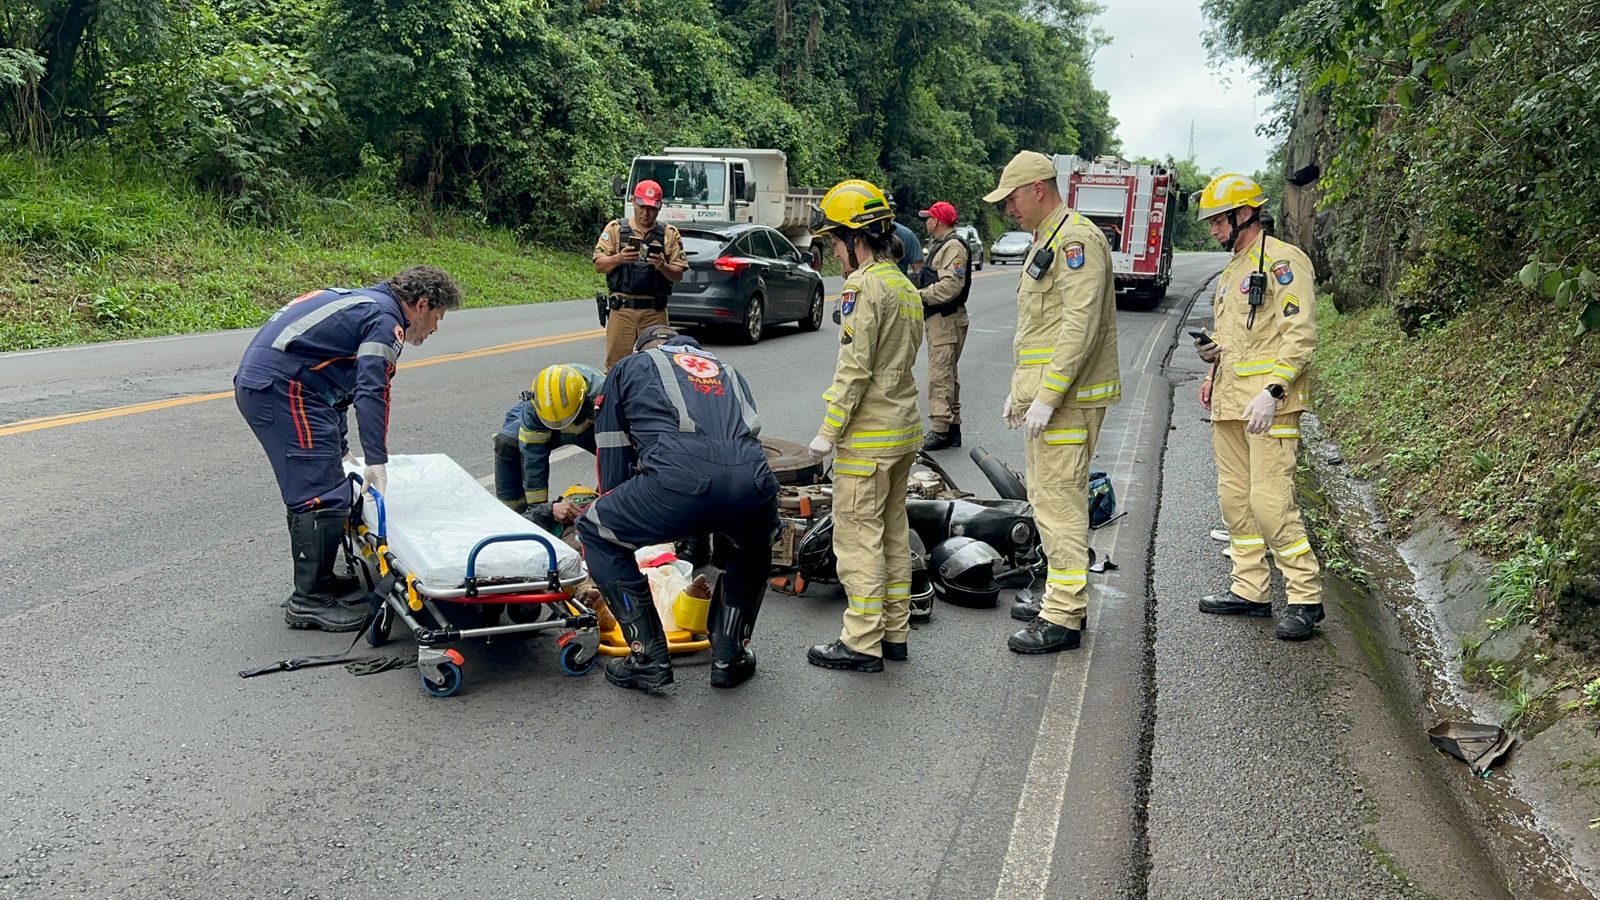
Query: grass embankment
[91, 250]
[1474, 421]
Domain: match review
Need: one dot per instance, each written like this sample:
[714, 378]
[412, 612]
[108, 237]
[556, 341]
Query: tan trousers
[1058, 488]
[1255, 481]
[623, 327]
[946, 336]
[872, 540]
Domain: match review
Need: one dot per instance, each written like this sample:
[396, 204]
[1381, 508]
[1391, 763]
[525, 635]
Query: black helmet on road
[962, 570]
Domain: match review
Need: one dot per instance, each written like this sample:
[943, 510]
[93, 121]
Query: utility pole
[1191, 140]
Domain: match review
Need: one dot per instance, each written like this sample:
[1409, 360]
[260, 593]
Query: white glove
[376, 477]
[1260, 413]
[1009, 413]
[819, 447]
[1036, 418]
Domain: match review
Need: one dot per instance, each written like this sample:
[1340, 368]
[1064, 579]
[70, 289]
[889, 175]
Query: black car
[745, 277]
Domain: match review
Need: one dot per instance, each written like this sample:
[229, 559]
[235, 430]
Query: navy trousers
[303, 432]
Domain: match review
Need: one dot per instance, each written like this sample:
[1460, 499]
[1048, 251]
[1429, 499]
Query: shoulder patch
[961, 269]
[1291, 305]
[399, 337]
[847, 302]
[1073, 254]
[1282, 273]
[847, 335]
[697, 365]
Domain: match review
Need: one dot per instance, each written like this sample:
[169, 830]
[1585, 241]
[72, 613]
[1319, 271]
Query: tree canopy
[523, 110]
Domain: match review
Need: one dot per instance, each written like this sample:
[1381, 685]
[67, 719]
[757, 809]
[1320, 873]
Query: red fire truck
[1137, 206]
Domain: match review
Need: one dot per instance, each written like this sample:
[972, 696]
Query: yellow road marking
[59, 421]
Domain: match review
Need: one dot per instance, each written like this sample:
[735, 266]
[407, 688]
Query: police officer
[679, 453]
[944, 284]
[872, 418]
[1066, 375]
[325, 351]
[1263, 335]
[557, 411]
[641, 259]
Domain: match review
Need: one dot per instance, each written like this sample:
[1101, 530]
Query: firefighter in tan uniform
[873, 421]
[641, 259]
[944, 282]
[1066, 375]
[1264, 333]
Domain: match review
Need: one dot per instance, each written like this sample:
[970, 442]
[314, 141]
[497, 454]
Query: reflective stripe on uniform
[827, 396]
[611, 440]
[1298, 548]
[1247, 541]
[752, 422]
[861, 467]
[605, 532]
[1285, 371]
[1284, 431]
[1254, 367]
[1054, 382]
[536, 496]
[883, 440]
[834, 417]
[866, 606]
[1035, 357]
[528, 436]
[314, 318]
[1100, 391]
[673, 390]
[900, 590]
[1057, 437]
[378, 348]
[1069, 577]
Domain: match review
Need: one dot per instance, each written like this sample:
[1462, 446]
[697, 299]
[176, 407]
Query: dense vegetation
[1460, 229]
[521, 111]
[176, 165]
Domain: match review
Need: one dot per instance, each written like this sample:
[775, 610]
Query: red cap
[647, 193]
[942, 211]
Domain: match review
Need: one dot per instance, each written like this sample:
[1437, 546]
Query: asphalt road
[145, 561]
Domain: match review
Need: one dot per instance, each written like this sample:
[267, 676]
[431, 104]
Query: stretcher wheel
[378, 631]
[452, 681]
[572, 660]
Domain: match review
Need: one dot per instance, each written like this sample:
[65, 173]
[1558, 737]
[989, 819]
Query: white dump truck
[718, 185]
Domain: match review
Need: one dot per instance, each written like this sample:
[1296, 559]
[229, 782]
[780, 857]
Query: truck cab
[721, 186]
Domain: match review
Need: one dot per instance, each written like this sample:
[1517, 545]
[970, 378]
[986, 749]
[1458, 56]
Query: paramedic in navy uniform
[322, 353]
[679, 453]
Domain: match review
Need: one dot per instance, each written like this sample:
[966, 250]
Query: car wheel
[813, 319]
[753, 325]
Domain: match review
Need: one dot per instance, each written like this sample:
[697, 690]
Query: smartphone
[638, 245]
[1200, 336]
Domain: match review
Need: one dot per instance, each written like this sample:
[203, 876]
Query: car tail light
[731, 264]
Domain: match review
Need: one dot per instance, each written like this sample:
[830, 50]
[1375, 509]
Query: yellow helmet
[853, 205]
[1229, 191]
[559, 393]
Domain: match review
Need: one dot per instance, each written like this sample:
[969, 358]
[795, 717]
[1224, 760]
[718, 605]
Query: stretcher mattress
[436, 514]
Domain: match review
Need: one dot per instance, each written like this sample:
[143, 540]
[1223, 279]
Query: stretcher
[448, 559]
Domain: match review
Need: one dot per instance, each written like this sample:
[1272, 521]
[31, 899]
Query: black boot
[733, 619]
[649, 666]
[895, 651]
[1027, 607]
[314, 539]
[948, 439]
[839, 656]
[1044, 636]
[344, 587]
[1231, 604]
[1299, 621]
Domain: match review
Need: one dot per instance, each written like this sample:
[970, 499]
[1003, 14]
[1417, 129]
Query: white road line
[1025, 873]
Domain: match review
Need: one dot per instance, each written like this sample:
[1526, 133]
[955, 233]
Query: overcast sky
[1155, 70]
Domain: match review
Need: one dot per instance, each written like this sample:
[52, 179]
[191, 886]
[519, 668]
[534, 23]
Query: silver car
[974, 244]
[1010, 247]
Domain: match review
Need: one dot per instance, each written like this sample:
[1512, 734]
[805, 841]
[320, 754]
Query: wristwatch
[1276, 390]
